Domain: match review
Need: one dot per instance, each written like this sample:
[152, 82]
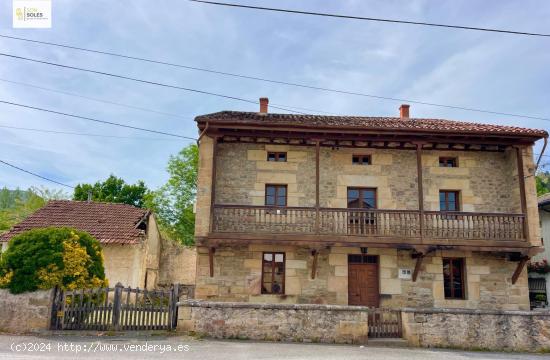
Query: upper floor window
[448, 200]
[364, 198]
[361, 160]
[448, 162]
[273, 273]
[276, 156]
[453, 278]
[275, 195]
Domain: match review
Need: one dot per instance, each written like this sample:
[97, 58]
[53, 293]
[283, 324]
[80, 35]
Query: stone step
[387, 342]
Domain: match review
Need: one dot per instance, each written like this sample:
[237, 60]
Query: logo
[32, 14]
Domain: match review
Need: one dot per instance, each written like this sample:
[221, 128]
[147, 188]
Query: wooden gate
[385, 323]
[118, 308]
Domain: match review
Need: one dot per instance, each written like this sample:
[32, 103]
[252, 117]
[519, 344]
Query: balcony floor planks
[216, 239]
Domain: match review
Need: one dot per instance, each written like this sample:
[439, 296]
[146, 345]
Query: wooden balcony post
[213, 183]
[523, 199]
[420, 188]
[317, 175]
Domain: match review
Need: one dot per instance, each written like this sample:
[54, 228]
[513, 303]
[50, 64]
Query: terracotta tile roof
[107, 222]
[370, 123]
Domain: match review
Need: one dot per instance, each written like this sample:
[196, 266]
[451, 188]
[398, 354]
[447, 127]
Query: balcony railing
[368, 223]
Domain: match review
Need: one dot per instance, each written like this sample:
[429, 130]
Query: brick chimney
[263, 105]
[404, 111]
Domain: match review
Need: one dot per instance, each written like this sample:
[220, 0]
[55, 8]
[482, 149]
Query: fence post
[116, 305]
[174, 305]
[55, 308]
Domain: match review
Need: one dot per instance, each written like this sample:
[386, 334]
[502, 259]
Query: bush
[44, 258]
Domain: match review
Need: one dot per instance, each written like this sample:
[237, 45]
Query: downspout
[206, 128]
[540, 155]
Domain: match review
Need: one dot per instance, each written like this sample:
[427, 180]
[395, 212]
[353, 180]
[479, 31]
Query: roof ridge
[97, 202]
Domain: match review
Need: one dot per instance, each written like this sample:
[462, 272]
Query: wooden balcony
[370, 225]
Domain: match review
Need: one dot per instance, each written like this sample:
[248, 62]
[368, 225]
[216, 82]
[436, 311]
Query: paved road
[108, 347]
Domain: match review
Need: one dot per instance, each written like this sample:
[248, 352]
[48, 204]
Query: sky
[500, 72]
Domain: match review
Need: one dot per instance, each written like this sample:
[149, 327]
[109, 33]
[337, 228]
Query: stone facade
[135, 265]
[299, 323]
[237, 277]
[25, 313]
[487, 182]
[480, 329]
[152, 263]
[177, 264]
[124, 264]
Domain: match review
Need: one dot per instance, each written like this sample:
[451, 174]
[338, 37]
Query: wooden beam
[420, 187]
[317, 176]
[315, 254]
[211, 252]
[523, 198]
[519, 268]
[389, 135]
[419, 258]
[213, 182]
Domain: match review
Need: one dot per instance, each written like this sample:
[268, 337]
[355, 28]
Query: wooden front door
[363, 286]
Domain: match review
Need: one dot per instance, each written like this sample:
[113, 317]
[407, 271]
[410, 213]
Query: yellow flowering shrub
[44, 258]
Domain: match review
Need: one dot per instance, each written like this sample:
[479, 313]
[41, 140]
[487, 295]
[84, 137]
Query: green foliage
[9, 198]
[113, 190]
[173, 202]
[543, 183]
[16, 205]
[44, 258]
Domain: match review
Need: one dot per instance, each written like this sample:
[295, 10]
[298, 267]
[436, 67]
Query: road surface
[164, 347]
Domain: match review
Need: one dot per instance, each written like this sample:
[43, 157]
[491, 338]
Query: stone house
[540, 283]
[128, 235]
[328, 210]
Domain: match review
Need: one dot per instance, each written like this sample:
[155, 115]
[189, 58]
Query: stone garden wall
[478, 329]
[275, 322]
[25, 313]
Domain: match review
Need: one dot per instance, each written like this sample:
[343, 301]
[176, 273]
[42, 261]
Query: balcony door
[360, 220]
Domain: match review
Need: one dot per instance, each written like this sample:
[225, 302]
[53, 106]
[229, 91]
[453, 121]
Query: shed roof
[107, 222]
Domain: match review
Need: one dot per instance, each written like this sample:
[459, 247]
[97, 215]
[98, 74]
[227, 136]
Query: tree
[113, 190]
[16, 205]
[543, 183]
[44, 258]
[173, 202]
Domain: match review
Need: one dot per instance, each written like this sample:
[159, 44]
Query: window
[276, 156]
[448, 200]
[453, 278]
[448, 162]
[362, 259]
[361, 160]
[363, 198]
[275, 195]
[273, 273]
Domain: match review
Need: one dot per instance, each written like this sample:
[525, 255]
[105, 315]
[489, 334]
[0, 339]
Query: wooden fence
[118, 308]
